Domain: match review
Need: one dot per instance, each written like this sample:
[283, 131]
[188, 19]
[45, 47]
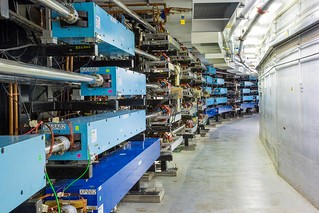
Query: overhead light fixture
[249, 50]
[258, 31]
[252, 41]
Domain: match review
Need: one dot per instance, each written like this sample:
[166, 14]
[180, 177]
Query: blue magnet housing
[250, 105]
[245, 91]
[218, 81]
[220, 91]
[99, 133]
[248, 98]
[22, 163]
[216, 101]
[210, 70]
[117, 81]
[247, 84]
[111, 36]
[114, 175]
[224, 109]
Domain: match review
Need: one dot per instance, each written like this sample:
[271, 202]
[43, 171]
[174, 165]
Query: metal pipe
[16, 109]
[146, 55]
[61, 145]
[153, 86]
[178, 129]
[66, 12]
[20, 20]
[10, 109]
[241, 16]
[153, 115]
[134, 15]
[249, 28]
[13, 68]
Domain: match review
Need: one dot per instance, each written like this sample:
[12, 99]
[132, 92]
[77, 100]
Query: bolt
[2, 150]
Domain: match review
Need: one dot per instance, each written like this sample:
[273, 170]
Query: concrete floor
[230, 171]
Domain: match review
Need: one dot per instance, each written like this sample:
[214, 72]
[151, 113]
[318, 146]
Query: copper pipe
[67, 63]
[16, 109]
[10, 109]
[71, 64]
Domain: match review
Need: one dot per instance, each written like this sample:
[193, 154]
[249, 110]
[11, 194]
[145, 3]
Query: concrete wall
[289, 111]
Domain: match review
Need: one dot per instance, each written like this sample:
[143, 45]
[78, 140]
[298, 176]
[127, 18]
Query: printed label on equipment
[119, 81]
[87, 192]
[98, 22]
[94, 135]
[100, 209]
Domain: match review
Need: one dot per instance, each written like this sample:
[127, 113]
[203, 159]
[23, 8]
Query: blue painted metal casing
[22, 163]
[115, 175]
[253, 78]
[209, 79]
[211, 70]
[100, 132]
[218, 81]
[221, 100]
[250, 105]
[211, 112]
[216, 101]
[245, 91]
[224, 109]
[248, 98]
[247, 84]
[210, 101]
[112, 37]
[117, 81]
[208, 89]
[220, 91]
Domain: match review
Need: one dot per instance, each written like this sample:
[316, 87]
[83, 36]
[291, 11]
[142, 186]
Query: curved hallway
[230, 171]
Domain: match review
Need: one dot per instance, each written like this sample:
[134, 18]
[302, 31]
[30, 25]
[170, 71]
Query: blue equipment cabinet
[210, 70]
[216, 101]
[224, 109]
[218, 81]
[211, 112]
[117, 81]
[209, 79]
[245, 91]
[111, 36]
[99, 133]
[247, 84]
[208, 89]
[114, 175]
[220, 91]
[22, 164]
[248, 98]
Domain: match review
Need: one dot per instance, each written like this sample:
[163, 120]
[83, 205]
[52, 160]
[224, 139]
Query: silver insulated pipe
[66, 12]
[61, 145]
[12, 68]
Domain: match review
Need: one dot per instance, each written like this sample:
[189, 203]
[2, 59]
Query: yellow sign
[77, 128]
[182, 21]
[107, 70]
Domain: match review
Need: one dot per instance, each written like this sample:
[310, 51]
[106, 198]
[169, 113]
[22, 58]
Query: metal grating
[214, 10]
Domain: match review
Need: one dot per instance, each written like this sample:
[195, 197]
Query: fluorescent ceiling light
[250, 55]
[258, 31]
[250, 41]
[250, 50]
